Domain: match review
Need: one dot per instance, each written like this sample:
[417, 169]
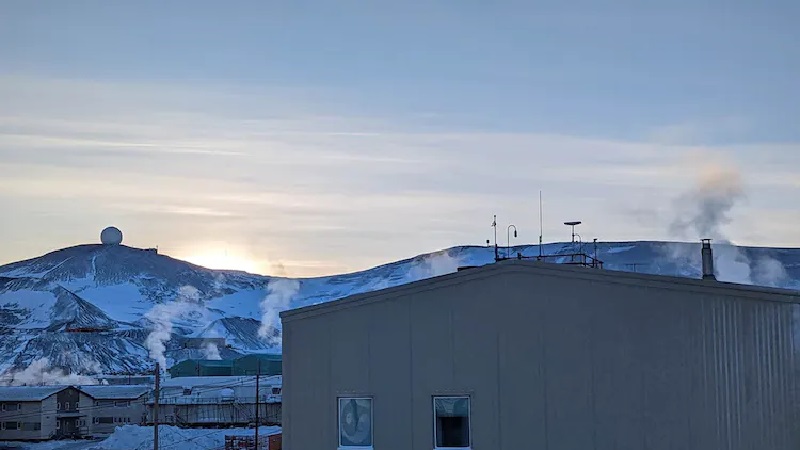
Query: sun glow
[222, 259]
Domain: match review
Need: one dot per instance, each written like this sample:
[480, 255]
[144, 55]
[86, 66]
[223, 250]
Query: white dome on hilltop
[111, 236]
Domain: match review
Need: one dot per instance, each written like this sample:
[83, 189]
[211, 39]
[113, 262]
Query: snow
[50, 445]
[125, 283]
[133, 437]
[108, 299]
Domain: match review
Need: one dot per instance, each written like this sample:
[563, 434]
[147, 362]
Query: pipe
[708, 260]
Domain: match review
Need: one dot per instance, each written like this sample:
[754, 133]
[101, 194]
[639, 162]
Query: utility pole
[155, 406]
[258, 404]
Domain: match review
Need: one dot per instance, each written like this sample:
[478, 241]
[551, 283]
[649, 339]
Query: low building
[525, 355]
[202, 368]
[217, 401]
[263, 363]
[29, 413]
[270, 365]
[108, 407]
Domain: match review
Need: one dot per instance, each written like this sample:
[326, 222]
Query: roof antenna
[541, 225]
[496, 252]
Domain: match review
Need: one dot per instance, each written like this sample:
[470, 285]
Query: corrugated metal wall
[556, 359]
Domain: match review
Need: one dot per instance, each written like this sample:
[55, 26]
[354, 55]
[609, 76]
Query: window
[451, 422]
[19, 406]
[355, 423]
[95, 421]
[122, 404]
[3, 407]
[11, 426]
[58, 425]
[66, 405]
[105, 420]
[59, 406]
[37, 426]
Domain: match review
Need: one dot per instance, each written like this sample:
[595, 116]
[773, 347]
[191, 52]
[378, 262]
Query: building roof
[533, 267]
[119, 392]
[209, 362]
[28, 393]
[219, 382]
[260, 356]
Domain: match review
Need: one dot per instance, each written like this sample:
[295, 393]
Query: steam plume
[702, 212]
[280, 292]
[705, 209]
[211, 351]
[39, 373]
[434, 265]
[162, 315]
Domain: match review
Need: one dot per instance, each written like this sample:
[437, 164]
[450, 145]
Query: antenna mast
[541, 225]
[494, 225]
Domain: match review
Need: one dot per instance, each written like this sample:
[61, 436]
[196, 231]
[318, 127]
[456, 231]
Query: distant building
[30, 412]
[39, 413]
[107, 407]
[270, 364]
[528, 355]
[202, 368]
[218, 401]
[265, 364]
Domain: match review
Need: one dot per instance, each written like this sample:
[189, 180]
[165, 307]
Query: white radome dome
[111, 236]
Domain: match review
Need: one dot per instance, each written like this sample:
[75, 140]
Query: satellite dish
[111, 236]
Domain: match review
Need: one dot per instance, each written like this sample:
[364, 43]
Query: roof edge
[782, 295]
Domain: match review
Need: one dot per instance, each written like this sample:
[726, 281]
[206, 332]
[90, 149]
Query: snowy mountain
[108, 308]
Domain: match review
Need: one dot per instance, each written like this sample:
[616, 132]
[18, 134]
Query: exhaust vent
[708, 260]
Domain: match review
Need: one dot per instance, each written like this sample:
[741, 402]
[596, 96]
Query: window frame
[339, 423]
[469, 419]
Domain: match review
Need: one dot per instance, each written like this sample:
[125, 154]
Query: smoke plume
[39, 373]
[702, 212]
[211, 351]
[280, 292]
[706, 208]
[162, 316]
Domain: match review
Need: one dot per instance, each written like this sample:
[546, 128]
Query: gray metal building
[528, 355]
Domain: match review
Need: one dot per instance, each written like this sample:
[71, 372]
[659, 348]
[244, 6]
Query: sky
[307, 138]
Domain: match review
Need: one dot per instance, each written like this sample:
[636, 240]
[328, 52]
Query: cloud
[284, 174]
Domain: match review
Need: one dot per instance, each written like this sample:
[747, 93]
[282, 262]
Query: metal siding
[431, 359]
[308, 393]
[569, 373]
[350, 348]
[390, 364]
[522, 373]
[474, 343]
[617, 376]
[554, 363]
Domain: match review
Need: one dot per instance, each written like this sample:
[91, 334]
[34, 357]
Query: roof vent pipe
[708, 260]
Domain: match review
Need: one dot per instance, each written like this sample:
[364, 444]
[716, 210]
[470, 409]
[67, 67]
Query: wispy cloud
[273, 173]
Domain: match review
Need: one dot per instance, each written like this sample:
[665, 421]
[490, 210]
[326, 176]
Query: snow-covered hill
[135, 302]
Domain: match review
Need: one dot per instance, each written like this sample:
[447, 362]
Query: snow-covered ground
[133, 437]
[122, 293]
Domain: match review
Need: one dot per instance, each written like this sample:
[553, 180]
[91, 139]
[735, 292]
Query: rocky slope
[90, 308]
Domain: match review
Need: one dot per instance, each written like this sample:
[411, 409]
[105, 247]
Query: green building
[202, 368]
[271, 364]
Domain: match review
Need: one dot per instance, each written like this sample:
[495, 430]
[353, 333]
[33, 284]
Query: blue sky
[331, 136]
